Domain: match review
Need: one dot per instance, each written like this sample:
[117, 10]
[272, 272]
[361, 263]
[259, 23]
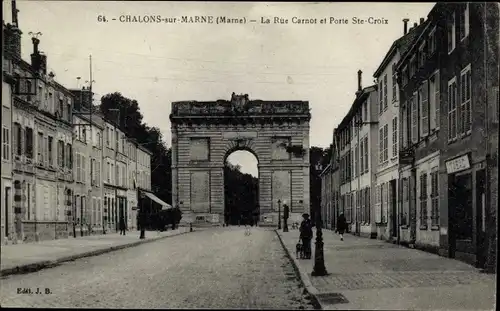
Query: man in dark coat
[122, 225]
[306, 235]
[341, 226]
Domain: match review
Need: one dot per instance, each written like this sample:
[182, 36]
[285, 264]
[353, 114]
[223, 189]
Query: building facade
[358, 134]
[41, 133]
[7, 213]
[449, 95]
[387, 164]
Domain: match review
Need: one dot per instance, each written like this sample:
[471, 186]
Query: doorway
[7, 209]
[460, 213]
[393, 206]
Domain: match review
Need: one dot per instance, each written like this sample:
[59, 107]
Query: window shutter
[437, 100]
[386, 142]
[425, 109]
[381, 145]
[385, 91]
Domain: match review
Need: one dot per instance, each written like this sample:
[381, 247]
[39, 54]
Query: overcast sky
[157, 64]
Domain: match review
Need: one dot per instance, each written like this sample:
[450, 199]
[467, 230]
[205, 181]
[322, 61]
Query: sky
[159, 63]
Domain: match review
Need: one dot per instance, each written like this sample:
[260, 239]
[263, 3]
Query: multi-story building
[41, 147]
[358, 137]
[8, 82]
[387, 175]
[344, 132]
[449, 95]
[132, 199]
[143, 173]
[110, 175]
[335, 175]
[87, 128]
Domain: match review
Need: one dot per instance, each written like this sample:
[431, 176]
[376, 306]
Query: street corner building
[41, 132]
[449, 153]
[204, 134]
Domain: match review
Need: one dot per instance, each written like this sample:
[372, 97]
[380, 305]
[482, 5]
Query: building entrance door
[393, 206]
[460, 214]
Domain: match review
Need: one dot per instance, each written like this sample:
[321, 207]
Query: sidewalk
[29, 257]
[376, 275]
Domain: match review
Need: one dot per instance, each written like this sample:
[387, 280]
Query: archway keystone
[205, 133]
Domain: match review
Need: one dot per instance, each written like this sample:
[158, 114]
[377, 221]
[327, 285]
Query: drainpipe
[486, 117]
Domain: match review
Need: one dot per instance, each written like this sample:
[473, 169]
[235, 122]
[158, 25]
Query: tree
[130, 120]
[241, 193]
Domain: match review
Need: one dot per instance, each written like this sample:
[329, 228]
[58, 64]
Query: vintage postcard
[249, 155]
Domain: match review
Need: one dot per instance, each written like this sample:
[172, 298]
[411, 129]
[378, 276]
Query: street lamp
[142, 216]
[286, 213]
[279, 214]
[319, 268]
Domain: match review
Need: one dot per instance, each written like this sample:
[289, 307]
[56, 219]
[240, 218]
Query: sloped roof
[403, 44]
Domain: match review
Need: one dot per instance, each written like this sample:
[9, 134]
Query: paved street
[34, 254]
[376, 275]
[210, 268]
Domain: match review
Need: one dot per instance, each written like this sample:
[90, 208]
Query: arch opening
[241, 187]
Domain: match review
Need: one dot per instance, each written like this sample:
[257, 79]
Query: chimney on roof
[15, 20]
[359, 82]
[405, 21]
[415, 25]
[36, 42]
[422, 20]
[38, 60]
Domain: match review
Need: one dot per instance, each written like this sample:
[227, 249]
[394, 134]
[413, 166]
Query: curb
[33, 267]
[304, 278]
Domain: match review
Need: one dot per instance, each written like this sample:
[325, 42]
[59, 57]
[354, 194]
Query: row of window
[429, 46]
[423, 109]
[118, 174]
[384, 141]
[357, 202]
[428, 196]
[101, 212]
[58, 104]
[24, 144]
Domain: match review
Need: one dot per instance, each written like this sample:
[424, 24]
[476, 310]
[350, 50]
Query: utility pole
[90, 147]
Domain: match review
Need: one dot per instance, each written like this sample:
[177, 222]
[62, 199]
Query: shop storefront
[466, 209]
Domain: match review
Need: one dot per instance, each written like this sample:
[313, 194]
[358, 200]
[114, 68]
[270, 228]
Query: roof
[411, 41]
[360, 98]
[403, 44]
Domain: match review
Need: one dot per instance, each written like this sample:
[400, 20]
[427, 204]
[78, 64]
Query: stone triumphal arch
[205, 133]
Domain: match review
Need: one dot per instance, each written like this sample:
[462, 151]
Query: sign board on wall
[458, 164]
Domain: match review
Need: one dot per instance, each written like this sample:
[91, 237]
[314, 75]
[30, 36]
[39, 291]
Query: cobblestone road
[213, 268]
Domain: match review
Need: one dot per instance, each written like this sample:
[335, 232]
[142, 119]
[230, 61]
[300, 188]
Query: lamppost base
[320, 272]
[285, 229]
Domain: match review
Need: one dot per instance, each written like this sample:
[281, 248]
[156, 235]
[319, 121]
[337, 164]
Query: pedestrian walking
[122, 225]
[306, 235]
[341, 226]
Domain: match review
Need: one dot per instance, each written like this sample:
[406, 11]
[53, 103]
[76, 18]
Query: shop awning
[158, 200]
